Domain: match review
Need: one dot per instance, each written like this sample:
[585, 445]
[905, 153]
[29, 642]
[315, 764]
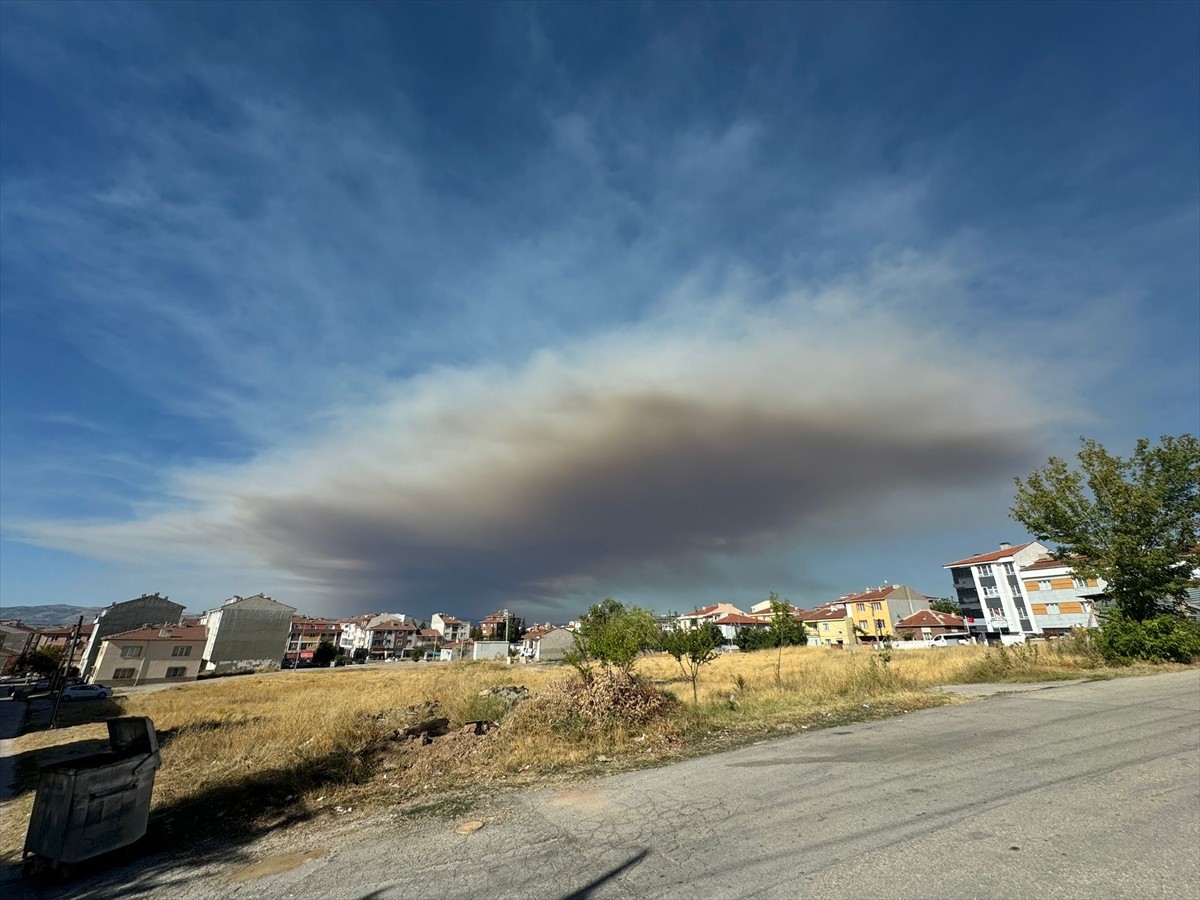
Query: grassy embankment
[244, 754]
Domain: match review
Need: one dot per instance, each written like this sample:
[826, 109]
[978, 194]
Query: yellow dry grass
[260, 749]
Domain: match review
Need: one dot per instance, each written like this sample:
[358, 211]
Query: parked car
[86, 692]
[950, 640]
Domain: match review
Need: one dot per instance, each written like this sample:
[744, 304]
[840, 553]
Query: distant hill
[50, 614]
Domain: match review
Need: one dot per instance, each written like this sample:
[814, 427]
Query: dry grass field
[240, 755]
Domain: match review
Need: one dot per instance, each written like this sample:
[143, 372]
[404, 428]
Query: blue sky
[419, 307]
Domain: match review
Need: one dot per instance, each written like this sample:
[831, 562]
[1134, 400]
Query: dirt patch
[581, 799]
[274, 865]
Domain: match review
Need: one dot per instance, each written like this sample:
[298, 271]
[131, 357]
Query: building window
[1008, 569]
[862, 607]
[184, 650]
[1080, 582]
[131, 652]
[1052, 609]
[1044, 584]
[876, 606]
[824, 626]
[120, 674]
[880, 625]
[177, 671]
[862, 625]
[985, 570]
[991, 591]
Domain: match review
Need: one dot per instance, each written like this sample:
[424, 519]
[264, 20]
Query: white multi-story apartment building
[991, 592]
[450, 628]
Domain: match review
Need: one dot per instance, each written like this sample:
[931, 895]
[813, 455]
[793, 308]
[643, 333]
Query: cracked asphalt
[1073, 790]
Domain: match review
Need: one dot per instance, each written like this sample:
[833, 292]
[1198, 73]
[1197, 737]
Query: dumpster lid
[132, 734]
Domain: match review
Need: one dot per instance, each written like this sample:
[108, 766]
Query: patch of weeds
[446, 808]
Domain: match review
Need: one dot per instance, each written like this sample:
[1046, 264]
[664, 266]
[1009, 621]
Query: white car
[86, 692]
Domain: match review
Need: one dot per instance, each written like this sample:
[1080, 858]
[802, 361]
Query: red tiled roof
[450, 620]
[162, 633]
[1002, 553]
[1046, 562]
[393, 625]
[879, 593]
[733, 619]
[930, 618]
[824, 612]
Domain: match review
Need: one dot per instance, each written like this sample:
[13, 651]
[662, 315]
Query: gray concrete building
[148, 609]
[246, 634]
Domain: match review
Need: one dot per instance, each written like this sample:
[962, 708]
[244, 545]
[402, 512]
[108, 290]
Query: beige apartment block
[150, 655]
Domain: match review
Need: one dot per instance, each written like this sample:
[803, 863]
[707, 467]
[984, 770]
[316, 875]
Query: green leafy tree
[693, 648]
[45, 660]
[515, 630]
[613, 635]
[1133, 522]
[786, 630]
[325, 653]
[946, 605]
[750, 639]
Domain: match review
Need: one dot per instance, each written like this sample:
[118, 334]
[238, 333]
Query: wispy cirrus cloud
[504, 316]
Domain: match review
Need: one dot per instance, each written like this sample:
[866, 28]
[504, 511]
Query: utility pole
[68, 657]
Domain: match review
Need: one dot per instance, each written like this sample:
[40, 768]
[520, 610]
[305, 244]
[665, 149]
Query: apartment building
[150, 655]
[1058, 599]
[877, 611]
[991, 591]
[829, 626]
[246, 634]
[450, 628]
[118, 618]
[307, 632]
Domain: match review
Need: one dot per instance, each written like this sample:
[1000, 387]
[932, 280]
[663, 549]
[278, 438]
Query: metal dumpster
[94, 804]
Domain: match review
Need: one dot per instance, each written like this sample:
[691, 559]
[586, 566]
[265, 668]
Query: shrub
[599, 701]
[751, 639]
[1164, 638]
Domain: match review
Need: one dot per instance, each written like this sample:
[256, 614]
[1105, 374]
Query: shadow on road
[586, 891]
[210, 825]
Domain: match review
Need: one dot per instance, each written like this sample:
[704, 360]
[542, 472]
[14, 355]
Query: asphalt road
[1084, 790]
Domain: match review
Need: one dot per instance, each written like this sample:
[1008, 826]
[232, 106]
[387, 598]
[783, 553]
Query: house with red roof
[877, 610]
[731, 623]
[450, 628]
[707, 614]
[152, 654]
[929, 623]
[547, 643]
[829, 626]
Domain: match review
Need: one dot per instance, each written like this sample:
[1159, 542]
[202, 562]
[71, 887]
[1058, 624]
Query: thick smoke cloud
[654, 449]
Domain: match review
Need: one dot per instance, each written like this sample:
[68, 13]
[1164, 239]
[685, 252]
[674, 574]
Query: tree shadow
[586, 891]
